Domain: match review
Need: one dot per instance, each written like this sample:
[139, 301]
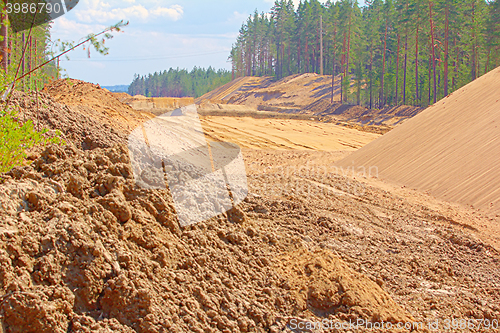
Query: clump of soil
[324, 284]
[82, 248]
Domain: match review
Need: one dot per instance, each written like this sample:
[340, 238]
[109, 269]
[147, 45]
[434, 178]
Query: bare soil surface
[83, 129]
[425, 252]
[84, 249]
[96, 102]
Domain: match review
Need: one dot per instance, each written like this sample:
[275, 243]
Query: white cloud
[238, 17]
[100, 12]
[174, 12]
[67, 29]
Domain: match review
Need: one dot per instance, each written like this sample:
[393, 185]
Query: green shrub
[16, 138]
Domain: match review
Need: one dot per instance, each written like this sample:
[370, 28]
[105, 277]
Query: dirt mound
[156, 105]
[82, 249]
[289, 94]
[308, 94]
[96, 102]
[120, 95]
[233, 88]
[323, 284]
[80, 128]
[450, 149]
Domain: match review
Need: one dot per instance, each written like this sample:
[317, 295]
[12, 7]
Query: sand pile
[304, 94]
[289, 94]
[120, 95]
[234, 88]
[155, 105]
[83, 129]
[389, 116]
[82, 249]
[451, 149]
[96, 102]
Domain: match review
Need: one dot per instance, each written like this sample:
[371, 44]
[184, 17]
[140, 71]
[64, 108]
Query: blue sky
[161, 34]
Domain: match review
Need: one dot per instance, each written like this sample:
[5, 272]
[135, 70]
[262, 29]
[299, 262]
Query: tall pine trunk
[298, 58]
[289, 60]
[455, 74]
[306, 55]
[382, 99]
[446, 53]
[433, 53]
[397, 71]
[405, 70]
[473, 45]
[282, 59]
[371, 76]
[348, 46]
[430, 74]
[4, 45]
[416, 66]
[487, 61]
[333, 73]
[343, 71]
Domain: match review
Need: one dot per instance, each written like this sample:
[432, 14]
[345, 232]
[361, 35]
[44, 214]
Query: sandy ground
[284, 134]
[84, 249]
[431, 255]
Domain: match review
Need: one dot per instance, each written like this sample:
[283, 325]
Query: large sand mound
[155, 105]
[235, 87]
[83, 129]
[289, 94]
[305, 94]
[96, 102]
[452, 149]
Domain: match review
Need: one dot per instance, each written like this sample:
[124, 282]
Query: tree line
[179, 82]
[388, 52]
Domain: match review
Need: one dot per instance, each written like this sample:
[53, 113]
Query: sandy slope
[452, 149]
[235, 87]
[307, 94]
[284, 134]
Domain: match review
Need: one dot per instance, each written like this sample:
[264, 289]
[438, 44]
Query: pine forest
[385, 53]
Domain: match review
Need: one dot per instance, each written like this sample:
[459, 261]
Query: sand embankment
[451, 149]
